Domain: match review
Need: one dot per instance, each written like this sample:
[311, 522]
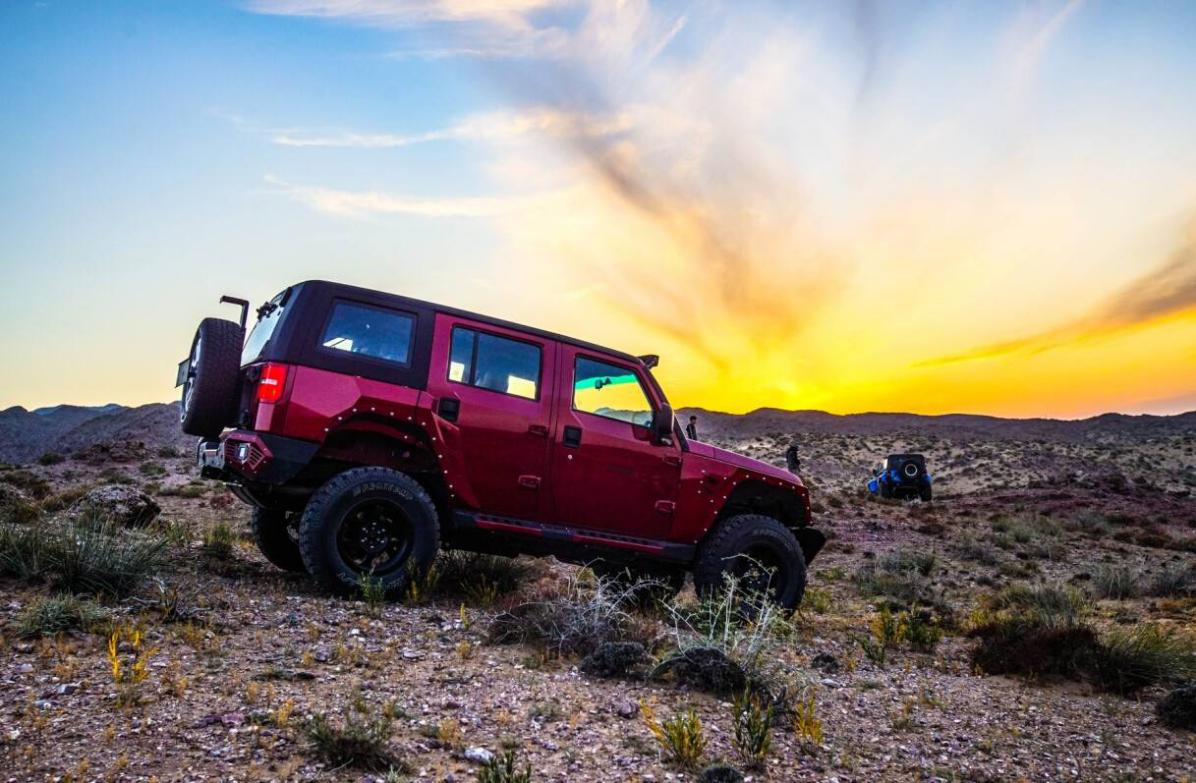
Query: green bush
[752, 719]
[505, 769]
[50, 458]
[59, 614]
[357, 742]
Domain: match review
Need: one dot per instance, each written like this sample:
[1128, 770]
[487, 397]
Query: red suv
[369, 430]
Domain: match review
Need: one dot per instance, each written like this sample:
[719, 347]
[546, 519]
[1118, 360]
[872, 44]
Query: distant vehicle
[902, 476]
[368, 430]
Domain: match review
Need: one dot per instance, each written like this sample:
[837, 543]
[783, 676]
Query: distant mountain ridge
[25, 435]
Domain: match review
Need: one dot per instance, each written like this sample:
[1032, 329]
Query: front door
[608, 473]
[493, 389]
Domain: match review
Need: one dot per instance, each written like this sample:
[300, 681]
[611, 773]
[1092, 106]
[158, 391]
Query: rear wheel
[760, 552]
[925, 494]
[210, 390]
[277, 536]
[369, 522]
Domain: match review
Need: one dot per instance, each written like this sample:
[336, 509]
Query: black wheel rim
[375, 538]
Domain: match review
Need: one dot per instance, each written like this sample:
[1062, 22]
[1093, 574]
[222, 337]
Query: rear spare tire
[210, 391]
[761, 552]
[369, 522]
[276, 536]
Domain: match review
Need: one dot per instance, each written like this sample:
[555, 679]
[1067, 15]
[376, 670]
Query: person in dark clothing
[691, 429]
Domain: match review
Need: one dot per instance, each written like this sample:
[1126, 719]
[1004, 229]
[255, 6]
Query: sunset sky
[851, 206]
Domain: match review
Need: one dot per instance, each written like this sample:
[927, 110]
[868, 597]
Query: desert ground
[1025, 625]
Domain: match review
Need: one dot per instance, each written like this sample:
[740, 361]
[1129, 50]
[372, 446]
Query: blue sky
[729, 185]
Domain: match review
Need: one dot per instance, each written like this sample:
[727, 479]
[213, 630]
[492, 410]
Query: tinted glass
[369, 331]
[259, 335]
[496, 363]
[611, 391]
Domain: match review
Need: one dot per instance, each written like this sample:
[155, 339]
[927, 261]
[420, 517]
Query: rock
[826, 662]
[123, 505]
[1178, 708]
[478, 755]
[705, 668]
[627, 709]
[721, 773]
[615, 659]
[322, 655]
[67, 688]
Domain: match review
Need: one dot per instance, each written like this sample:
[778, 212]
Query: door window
[610, 391]
[369, 331]
[496, 363]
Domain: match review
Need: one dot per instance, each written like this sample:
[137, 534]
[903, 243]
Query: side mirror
[662, 422]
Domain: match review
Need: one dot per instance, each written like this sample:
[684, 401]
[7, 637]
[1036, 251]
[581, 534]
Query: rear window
[260, 334]
[369, 331]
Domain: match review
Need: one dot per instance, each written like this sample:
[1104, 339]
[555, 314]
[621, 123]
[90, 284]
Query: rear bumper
[262, 458]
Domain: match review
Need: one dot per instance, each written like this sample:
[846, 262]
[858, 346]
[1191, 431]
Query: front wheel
[373, 523]
[760, 552]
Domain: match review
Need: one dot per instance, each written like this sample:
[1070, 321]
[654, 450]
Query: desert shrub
[1130, 659]
[884, 633]
[1049, 605]
[58, 614]
[219, 541]
[905, 560]
[905, 587]
[168, 452]
[817, 600]
[574, 619]
[921, 631]
[83, 558]
[50, 458]
[1039, 535]
[1117, 582]
[15, 507]
[680, 737]
[35, 486]
[752, 719]
[505, 769]
[150, 468]
[1178, 708]
[1173, 581]
[478, 577]
[185, 491]
[60, 501]
[373, 593]
[116, 476]
[357, 742]
[976, 549]
[616, 659]
[720, 773]
[807, 726]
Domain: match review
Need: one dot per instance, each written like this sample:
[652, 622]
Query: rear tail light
[271, 382]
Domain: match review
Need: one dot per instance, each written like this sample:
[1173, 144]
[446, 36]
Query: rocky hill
[25, 435]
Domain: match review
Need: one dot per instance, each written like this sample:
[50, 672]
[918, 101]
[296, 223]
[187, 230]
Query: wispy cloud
[494, 127]
[1166, 290]
[347, 203]
[409, 13]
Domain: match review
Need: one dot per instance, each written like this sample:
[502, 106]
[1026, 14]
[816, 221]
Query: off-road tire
[210, 395]
[739, 535]
[925, 494]
[270, 531]
[328, 509]
[665, 582]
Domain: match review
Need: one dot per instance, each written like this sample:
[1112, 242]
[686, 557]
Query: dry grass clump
[59, 614]
[505, 769]
[1045, 631]
[481, 579]
[679, 737]
[575, 617]
[358, 741]
[91, 556]
[901, 575]
[1173, 581]
[1117, 582]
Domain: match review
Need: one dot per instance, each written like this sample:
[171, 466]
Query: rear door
[493, 389]
[607, 471]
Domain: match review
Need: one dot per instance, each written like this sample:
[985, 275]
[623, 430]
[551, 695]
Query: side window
[611, 391]
[369, 331]
[496, 363]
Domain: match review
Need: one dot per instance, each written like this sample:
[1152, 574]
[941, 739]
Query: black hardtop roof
[411, 303]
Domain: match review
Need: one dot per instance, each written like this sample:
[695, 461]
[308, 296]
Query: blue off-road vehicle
[902, 476]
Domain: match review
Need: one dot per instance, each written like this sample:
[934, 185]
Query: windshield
[268, 319]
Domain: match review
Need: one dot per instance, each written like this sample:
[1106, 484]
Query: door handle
[572, 438]
[672, 459]
[529, 481]
[449, 408]
[538, 429]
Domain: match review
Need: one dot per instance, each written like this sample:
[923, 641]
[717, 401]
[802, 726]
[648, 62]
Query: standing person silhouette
[691, 429]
